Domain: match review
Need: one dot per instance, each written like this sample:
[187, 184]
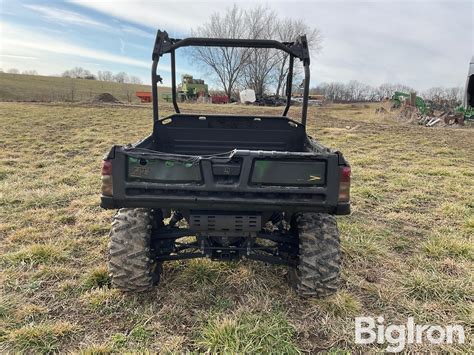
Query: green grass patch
[97, 278]
[431, 285]
[248, 333]
[42, 337]
[359, 244]
[140, 334]
[342, 304]
[103, 299]
[6, 307]
[36, 254]
[449, 246]
[199, 272]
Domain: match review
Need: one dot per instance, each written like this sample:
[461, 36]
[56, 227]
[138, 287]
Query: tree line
[106, 75]
[355, 91]
[81, 73]
[16, 71]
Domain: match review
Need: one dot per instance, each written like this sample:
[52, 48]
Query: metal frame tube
[154, 89]
[173, 81]
[304, 109]
[231, 42]
[164, 44]
[289, 84]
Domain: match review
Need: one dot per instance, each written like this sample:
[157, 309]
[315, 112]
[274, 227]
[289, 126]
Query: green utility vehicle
[226, 187]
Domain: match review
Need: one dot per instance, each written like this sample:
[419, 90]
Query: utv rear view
[226, 187]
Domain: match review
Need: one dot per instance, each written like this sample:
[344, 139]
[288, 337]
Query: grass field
[19, 87]
[407, 247]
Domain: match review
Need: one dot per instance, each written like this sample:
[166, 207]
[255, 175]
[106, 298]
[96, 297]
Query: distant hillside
[19, 87]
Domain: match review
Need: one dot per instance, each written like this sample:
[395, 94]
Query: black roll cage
[164, 44]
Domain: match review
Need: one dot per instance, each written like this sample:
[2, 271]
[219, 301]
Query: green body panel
[169, 171]
[278, 172]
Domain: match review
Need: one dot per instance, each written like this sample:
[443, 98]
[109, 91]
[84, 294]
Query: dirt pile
[106, 98]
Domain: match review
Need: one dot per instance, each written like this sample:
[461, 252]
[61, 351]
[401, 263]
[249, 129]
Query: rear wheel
[131, 263]
[319, 260]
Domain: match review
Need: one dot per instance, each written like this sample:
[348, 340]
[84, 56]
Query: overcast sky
[417, 43]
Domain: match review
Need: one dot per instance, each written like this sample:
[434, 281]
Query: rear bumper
[237, 194]
[213, 203]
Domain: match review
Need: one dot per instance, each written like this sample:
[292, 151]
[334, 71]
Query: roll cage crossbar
[165, 45]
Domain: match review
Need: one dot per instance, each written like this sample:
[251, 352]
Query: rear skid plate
[225, 224]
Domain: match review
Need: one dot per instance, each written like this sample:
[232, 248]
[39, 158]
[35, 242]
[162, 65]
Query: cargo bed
[226, 162]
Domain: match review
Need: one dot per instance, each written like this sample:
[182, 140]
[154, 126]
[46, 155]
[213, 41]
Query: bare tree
[449, 97]
[435, 94]
[128, 92]
[355, 91]
[454, 95]
[105, 75]
[135, 80]
[121, 77]
[77, 72]
[225, 63]
[257, 68]
[288, 30]
[30, 72]
[260, 62]
[387, 90]
[334, 91]
[13, 71]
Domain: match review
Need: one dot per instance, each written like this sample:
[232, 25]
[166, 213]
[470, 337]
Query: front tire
[131, 265]
[319, 260]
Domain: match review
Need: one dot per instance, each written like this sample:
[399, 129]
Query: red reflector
[345, 174]
[345, 184]
[107, 167]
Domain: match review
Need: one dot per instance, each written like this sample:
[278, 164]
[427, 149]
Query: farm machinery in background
[144, 96]
[400, 98]
[430, 113]
[190, 90]
[427, 113]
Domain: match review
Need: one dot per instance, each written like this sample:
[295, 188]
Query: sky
[418, 43]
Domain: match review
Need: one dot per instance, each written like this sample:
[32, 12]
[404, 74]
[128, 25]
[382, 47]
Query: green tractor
[191, 89]
[399, 97]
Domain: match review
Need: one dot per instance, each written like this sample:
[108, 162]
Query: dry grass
[407, 246]
[19, 87]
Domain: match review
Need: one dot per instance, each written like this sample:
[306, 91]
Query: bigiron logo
[369, 330]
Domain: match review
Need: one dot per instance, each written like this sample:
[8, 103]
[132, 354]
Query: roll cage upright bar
[164, 45]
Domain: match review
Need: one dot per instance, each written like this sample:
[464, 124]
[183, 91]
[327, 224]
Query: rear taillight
[107, 185]
[344, 184]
